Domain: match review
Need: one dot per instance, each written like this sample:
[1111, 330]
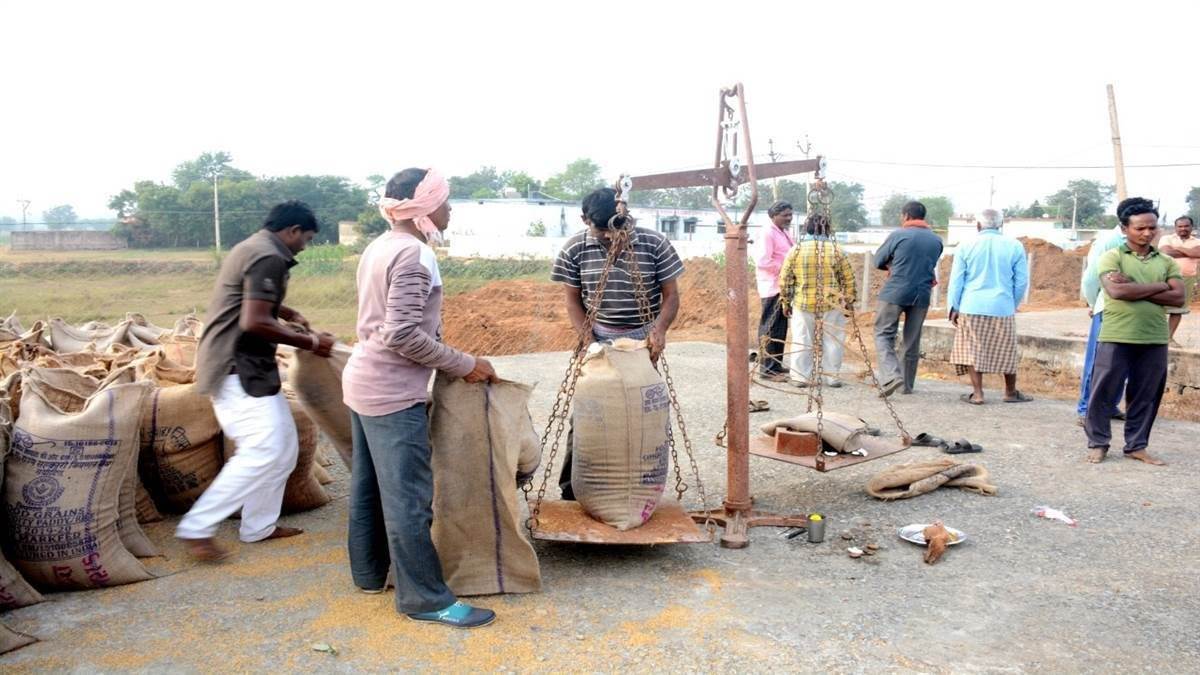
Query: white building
[498, 228]
[962, 230]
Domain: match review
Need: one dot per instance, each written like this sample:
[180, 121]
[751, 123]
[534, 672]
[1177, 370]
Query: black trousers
[774, 326]
[1145, 366]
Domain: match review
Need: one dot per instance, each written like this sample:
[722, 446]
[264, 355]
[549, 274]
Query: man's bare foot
[206, 550]
[1143, 456]
[1096, 455]
[282, 532]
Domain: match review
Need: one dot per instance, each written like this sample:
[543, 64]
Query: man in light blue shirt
[987, 281]
[1089, 290]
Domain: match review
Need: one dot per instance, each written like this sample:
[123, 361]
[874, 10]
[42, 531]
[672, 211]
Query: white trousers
[803, 329]
[253, 479]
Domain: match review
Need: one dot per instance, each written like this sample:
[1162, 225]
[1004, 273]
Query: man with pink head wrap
[385, 384]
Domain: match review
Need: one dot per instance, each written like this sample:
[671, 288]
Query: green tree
[676, 198]
[536, 229]
[1035, 210]
[376, 187]
[938, 210]
[847, 210]
[576, 181]
[1193, 200]
[473, 184]
[204, 167]
[332, 198]
[519, 181]
[1093, 199]
[370, 223]
[60, 217]
[889, 212]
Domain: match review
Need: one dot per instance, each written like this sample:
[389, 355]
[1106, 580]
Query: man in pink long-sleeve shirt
[385, 384]
[777, 241]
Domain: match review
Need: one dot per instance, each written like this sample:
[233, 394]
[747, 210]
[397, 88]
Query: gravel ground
[1117, 593]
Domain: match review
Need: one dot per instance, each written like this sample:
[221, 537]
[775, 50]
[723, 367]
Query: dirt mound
[514, 317]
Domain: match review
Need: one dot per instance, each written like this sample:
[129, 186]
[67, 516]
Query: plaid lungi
[987, 343]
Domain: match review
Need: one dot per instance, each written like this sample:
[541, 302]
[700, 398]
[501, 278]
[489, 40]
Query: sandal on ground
[458, 615]
[759, 406]
[962, 447]
[1096, 455]
[969, 398]
[1145, 458]
[1019, 398]
[926, 440]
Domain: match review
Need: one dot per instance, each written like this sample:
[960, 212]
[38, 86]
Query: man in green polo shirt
[1139, 283]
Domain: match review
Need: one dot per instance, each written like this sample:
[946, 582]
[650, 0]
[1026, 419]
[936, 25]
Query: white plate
[915, 534]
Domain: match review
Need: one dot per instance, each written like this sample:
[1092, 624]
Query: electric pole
[1074, 209]
[216, 211]
[774, 156]
[1118, 157]
[992, 192]
[24, 210]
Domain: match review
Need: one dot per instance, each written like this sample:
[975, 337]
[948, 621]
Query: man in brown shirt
[235, 365]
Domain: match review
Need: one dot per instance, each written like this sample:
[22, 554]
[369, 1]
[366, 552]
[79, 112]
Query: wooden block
[796, 443]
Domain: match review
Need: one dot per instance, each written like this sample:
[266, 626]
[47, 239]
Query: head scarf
[429, 195]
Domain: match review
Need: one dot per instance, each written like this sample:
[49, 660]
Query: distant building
[962, 230]
[65, 240]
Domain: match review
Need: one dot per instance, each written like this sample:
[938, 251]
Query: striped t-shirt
[581, 262]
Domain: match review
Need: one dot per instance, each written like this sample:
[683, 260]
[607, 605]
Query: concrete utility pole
[1074, 209]
[774, 156]
[24, 210]
[1118, 157]
[216, 211]
[992, 192]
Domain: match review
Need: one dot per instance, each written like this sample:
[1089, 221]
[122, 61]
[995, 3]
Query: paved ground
[1118, 593]
[1074, 323]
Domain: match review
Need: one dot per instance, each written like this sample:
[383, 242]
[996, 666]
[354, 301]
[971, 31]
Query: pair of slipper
[959, 447]
[759, 406]
[1019, 398]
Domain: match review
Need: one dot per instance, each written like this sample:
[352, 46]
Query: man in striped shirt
[581, 262]
[578, 268]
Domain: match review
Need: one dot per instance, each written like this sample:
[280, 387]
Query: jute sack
[147, 512]
[303, 491]
[63, 480]
[917, 478]
[10, 329]
[620, 452]
[11, 639]
[181, 450]
[482, 439]
[157, 367]
[317, 382]
[14, 590]
[67, 338]
[840, 431]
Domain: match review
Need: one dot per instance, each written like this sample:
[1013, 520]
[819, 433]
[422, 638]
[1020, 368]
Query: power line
[930, 165]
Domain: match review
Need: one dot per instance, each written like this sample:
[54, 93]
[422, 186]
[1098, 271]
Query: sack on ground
[63, 481]
[14, 590]
[483, 439]
[917, 478]
[181, 449]
[11, 640]
[317, 382]
[619, 418]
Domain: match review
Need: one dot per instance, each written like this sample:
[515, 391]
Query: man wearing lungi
[987, 282]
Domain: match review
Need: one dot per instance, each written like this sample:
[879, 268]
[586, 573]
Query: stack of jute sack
[102, 430]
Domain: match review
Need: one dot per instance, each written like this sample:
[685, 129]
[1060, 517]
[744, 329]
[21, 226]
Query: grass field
[167, 284]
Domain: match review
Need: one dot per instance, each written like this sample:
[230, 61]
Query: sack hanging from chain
[620, 449]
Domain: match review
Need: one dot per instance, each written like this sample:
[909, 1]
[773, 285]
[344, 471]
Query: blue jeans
[391, 510]
[1089, 365]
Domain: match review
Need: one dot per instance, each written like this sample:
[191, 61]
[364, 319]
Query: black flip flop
[969, 398]
[1021, 398]
[962, 447]
[925, 440]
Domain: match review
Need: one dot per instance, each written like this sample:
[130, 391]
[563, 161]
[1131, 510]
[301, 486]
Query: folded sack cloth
[838, 430]
[917, 478]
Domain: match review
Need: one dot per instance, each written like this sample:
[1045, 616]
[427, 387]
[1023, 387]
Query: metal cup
[816, 528]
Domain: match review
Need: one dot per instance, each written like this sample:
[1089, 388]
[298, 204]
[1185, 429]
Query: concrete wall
[65, 240]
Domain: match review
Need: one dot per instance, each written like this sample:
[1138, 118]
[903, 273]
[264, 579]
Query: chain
[566, 392]
[647, 317]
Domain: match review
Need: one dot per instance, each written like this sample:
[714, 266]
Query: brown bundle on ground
[11, 639]
[841, 432]
[918, 478]
[181, 446]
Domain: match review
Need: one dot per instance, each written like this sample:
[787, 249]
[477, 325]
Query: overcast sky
[98, 95]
